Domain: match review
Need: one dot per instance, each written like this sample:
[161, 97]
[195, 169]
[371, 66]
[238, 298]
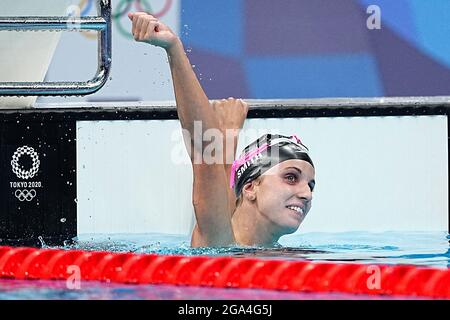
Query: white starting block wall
[372, 173]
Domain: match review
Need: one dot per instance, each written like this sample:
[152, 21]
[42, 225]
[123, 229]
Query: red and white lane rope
[225, 272]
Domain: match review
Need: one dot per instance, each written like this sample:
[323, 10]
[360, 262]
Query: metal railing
[101, 24]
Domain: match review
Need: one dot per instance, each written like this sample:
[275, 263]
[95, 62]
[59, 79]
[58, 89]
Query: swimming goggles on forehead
[254, 153]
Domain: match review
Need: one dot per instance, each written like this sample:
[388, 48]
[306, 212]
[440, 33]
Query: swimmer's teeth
[298, 209]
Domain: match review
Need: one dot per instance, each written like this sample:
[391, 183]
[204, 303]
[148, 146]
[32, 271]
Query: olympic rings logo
[25, 195]
[25, 174]
[121, 10]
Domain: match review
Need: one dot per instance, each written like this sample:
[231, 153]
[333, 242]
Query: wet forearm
[192, 102]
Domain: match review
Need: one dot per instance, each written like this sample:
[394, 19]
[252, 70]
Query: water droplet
[42, 241]
[63, 220]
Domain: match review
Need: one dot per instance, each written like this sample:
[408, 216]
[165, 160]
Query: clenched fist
[146, 28]
[230, 113]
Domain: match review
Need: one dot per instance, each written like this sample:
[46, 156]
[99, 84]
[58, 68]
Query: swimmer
[264, 194]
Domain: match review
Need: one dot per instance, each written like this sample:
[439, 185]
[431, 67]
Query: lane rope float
[225, 272]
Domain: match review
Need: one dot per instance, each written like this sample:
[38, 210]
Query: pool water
[412, 248]
[94, 290]
[394, 248]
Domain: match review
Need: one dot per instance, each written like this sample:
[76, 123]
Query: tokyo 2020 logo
[25, 174]
[25, 190]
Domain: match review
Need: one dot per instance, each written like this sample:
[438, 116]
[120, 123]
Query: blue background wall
[321, 48]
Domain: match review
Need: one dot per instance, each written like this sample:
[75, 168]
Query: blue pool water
[416, 248]
[93, 290]
[413, 248]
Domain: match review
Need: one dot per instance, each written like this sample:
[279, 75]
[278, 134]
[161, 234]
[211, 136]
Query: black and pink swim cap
[263, 154]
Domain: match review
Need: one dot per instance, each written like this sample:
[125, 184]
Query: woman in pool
[266, 193]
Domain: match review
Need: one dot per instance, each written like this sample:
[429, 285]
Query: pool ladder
[101, 24]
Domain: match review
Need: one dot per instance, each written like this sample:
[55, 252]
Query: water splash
[418, 248]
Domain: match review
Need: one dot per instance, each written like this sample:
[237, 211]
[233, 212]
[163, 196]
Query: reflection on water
[92, 290]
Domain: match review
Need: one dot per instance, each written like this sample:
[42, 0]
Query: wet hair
[263, 154]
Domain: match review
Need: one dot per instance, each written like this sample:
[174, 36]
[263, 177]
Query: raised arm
[192, 102]
[230, 114]
[210, 190]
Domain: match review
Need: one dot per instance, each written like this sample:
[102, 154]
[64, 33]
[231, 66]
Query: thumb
[130, 16]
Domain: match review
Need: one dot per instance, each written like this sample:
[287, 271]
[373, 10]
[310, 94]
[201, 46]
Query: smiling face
[283, 194]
